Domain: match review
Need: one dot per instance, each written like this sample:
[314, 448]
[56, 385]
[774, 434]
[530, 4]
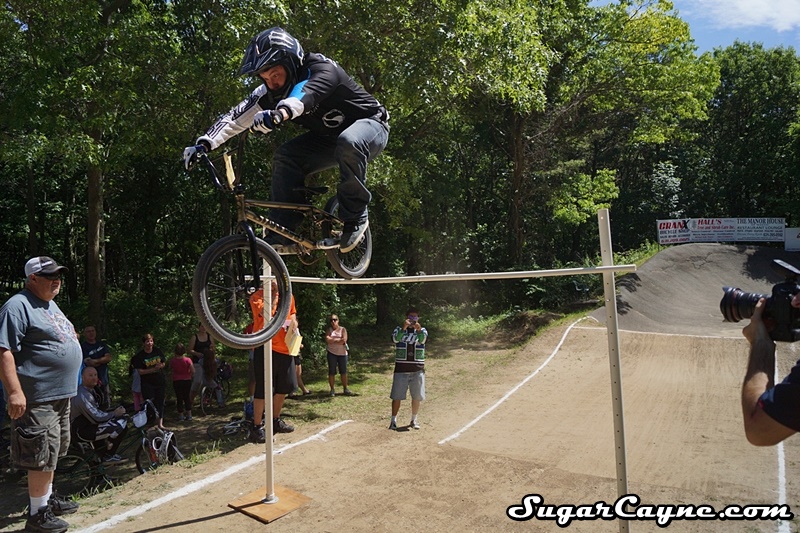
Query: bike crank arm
[280, 230]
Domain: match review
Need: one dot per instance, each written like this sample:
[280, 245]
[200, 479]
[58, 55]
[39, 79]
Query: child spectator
[210, 373]
[182, 374]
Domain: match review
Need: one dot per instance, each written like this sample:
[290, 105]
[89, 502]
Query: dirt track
[682, 369]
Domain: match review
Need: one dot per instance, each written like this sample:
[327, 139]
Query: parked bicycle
[233, 268]
[83, 471]
[235, 427]
[224, 376]
[216, 395]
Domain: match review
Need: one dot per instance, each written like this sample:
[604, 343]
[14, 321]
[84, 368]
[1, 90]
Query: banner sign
[755, 229]
[792, 239]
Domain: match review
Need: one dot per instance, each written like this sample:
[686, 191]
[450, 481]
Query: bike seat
[312, 190]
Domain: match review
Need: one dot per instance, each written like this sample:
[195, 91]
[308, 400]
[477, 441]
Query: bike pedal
[328, 244]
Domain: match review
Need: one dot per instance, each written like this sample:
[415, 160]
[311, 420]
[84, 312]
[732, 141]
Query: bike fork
[251, 238]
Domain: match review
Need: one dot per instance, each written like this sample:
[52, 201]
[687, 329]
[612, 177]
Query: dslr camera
[779, 315]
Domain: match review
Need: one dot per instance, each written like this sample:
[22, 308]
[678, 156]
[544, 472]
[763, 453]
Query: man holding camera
[770, 411]
[409, 366]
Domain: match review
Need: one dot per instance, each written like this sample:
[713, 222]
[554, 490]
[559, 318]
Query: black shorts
[284, 378]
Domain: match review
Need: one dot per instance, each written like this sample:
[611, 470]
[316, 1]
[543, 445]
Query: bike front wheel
[224, 281]
[145, 459]
[207, 399]
[352, 264]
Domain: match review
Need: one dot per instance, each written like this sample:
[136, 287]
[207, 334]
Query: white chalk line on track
[783, 526]
[512, 391]
[197, 485]
[736, 338]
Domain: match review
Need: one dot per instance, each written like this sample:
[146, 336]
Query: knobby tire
[352, 264]
[222, 286]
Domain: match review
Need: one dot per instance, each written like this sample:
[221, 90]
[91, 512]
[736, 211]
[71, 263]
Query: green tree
[746, 147]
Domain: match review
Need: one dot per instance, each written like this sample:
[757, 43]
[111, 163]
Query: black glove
[190, 154]
[266, 121]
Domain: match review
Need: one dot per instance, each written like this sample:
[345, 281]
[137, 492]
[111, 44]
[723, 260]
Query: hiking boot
[279, 426]
[46, 522]
[352, 235]
[258, 435]
[61, 506]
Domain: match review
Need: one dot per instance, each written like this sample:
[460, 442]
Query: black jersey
[326, 100]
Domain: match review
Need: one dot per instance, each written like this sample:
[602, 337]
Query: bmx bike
[82, 471]
[232, 269]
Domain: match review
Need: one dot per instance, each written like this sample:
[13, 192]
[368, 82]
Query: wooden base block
[253, 504]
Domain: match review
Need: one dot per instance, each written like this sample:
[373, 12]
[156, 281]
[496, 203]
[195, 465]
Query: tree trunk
[95, 278]
[517, 189]
[33, 225]
[70, 246]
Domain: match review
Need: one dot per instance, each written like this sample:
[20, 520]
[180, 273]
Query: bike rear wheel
[352, 264]
[145, 461]
[223, 283]
[77, 476]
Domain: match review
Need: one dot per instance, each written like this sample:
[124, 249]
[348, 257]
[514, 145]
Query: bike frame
[246, 217]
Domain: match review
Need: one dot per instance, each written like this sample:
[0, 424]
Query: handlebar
[230, 181]
[212, 171]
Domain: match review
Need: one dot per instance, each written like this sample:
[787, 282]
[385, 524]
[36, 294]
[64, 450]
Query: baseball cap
[43, 265]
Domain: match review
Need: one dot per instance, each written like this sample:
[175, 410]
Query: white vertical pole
[610, 293]
[266, 285]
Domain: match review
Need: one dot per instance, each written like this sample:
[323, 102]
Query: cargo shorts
[40, 436]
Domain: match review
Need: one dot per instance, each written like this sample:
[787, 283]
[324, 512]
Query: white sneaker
[414, 424]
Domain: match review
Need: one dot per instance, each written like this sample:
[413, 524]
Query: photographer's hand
[756, 330]
[760, 428]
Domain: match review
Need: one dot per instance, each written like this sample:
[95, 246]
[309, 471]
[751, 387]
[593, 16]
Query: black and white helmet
[271, 47]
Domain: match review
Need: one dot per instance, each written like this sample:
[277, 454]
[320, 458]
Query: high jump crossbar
[607, 269]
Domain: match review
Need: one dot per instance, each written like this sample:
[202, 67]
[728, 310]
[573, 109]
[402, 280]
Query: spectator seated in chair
[102, 429]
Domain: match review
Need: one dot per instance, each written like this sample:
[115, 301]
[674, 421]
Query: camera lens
[737, 304]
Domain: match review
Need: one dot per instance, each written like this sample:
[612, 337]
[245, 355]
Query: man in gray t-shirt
[39, 360]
